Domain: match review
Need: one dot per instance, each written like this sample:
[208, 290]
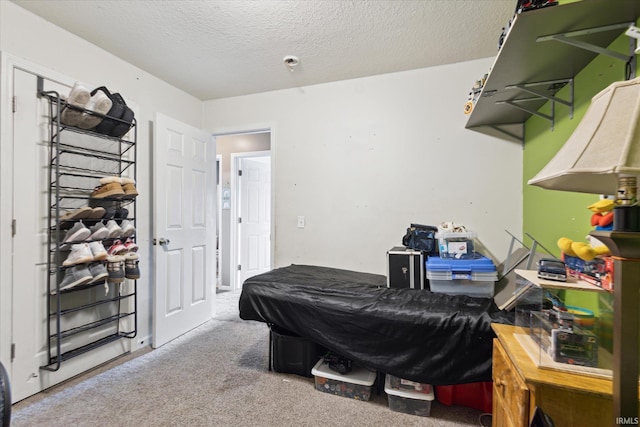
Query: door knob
[164, 241]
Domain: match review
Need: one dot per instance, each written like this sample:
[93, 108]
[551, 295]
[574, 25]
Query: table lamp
[602, 156]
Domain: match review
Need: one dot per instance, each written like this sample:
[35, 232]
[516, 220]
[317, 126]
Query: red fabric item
[473, 395]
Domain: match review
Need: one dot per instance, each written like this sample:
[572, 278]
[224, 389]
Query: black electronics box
[406, 268]
[564, 341]
[292, 354]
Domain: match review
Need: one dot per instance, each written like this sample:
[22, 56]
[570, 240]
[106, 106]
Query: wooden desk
[571, 400]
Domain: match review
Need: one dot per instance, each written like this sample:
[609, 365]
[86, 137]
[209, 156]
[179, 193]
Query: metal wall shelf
[535, 52]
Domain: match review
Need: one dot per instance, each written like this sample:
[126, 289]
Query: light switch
[301, 221]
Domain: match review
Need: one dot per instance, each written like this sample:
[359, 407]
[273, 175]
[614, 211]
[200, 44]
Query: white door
[254, 226]
[25, 189]
[30, 211]
[184, 186]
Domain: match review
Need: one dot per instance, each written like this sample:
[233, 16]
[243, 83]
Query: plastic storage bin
[292, 354]
[356, 384]
[408, 402]
[456, 245]
[474, 277]
[397, 383]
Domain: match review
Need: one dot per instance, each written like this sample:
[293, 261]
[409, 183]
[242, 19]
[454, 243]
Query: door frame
[255, 128]
[236, 196]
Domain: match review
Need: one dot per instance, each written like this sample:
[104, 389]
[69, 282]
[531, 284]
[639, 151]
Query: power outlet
[300, 221]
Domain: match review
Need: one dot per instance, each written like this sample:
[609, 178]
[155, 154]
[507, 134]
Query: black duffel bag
[119, 118]
[422, 238]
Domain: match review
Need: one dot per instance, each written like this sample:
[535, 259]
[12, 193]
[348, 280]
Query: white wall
[363, 158]
[30, 38]
[360, 159]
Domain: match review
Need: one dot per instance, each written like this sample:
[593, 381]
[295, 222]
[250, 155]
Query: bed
[413, 334]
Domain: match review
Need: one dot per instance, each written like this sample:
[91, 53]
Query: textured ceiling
[215, 49]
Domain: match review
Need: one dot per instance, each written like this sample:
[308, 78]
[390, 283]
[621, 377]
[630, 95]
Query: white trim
[219, 220]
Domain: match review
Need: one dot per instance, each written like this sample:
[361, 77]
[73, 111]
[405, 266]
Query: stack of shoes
[84, 265]
[76, 101]
[123, 253]
[115, 187]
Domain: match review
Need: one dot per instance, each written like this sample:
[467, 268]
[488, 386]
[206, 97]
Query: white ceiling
[215, 49]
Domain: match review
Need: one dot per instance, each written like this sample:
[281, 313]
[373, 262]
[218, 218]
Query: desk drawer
[509, 389]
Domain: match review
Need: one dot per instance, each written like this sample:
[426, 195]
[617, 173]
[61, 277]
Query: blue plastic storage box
[475, 277]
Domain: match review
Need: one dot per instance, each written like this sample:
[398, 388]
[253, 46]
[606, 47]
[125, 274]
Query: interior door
[184, 188]
[255, 212]
[30, 208]
[25, 189]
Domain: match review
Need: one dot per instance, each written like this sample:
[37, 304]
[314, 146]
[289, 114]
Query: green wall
[548, 214]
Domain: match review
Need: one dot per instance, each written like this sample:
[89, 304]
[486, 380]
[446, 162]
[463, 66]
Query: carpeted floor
[215, 375]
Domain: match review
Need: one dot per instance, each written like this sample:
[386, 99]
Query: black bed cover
[413, 334]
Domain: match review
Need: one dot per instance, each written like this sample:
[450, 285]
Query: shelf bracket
[566, 38]
[540, 95]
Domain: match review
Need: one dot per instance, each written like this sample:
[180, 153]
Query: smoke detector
[291, 61]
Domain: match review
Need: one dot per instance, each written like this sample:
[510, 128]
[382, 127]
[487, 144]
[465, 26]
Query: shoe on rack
[115, 268]
[99, 103]
[112, 189]
[98, 251]
[128, 229]
[130, 245]
[78, 97]
[97, 212]
[98, 231]
[98, 272]
[80, 213]
[121, 214]
[80, 254]
[115, 231]
[76, 276]
[131, 269]
[109, 213]
[110, 179]
[117, 248]
[77, 233]
[129, 188]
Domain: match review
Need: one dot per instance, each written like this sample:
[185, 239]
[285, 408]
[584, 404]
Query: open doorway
[232, 150]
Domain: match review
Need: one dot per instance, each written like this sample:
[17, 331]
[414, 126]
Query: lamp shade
[604, 146]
